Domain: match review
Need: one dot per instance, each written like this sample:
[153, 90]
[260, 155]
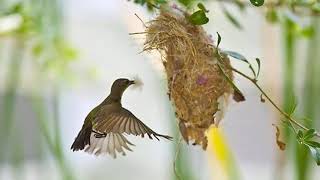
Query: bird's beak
[131, 82]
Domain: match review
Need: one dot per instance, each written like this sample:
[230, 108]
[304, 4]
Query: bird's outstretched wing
[112, 119]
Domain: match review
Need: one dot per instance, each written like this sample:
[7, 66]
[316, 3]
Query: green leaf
[201, 6]
[236, 55]
[242, 58]
[300, 136]
[16, 8]
[259, 66]
[316, 7]
[141, 2]
[37, 49]
[253, 71]
[231, 18]
[257, 2]
[309, 134]
[161, 1]
[219, 39]
[240, 4]
[238, 95]
[294, 106]
[198, 18]
[272, 15]
[313, 144]
[307, 32]
[186, 3]
[315, 152]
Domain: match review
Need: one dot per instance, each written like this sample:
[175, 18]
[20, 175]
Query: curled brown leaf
[238, 96]
[281, 144]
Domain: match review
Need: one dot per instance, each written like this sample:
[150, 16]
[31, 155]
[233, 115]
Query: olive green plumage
[103, 128]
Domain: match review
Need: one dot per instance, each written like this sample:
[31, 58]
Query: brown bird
[104, 127]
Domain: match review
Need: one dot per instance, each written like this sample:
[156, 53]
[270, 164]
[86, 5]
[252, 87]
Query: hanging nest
[196, 86]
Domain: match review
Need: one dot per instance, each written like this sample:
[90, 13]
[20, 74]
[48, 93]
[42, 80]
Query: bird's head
[120, 85]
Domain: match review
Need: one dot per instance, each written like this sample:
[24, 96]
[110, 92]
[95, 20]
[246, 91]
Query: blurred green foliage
[41, 29]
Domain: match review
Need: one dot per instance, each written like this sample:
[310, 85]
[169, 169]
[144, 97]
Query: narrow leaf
[299, 135]
[231, 18]
[242, 58]
[309, 134]
[313, 144]
[315, 152]
[237, 95]
[253, 71]
[201, 6]
[294, 107]
[240, 4]
[259, 66]
[236, 55]
[219, 39]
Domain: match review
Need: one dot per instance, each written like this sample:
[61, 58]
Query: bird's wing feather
[119, 120]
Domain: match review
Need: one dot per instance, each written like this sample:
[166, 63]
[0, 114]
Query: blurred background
[58, 60]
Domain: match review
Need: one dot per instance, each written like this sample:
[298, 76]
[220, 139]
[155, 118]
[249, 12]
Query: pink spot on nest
[210, 38]
[174, 6]
[202, 80]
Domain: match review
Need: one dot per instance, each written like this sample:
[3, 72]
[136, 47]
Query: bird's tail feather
[110, 144]
[82, 139]
[163, 136]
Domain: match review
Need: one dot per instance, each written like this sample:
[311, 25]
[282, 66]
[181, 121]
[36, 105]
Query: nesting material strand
[195, 82]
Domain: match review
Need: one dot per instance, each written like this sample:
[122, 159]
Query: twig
[178, 147]
[255, 82]
[135, 33]
[141, 20]
[286, 115]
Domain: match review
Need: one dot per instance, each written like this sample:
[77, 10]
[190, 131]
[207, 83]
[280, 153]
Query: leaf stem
[178, 147]
[286, 115]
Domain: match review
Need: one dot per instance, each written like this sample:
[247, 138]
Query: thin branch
[135, 33]
[141, 20]
[286, 115]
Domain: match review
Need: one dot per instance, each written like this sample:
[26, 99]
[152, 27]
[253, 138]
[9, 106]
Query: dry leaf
[262, 99]
[238, 96]
[280, 144]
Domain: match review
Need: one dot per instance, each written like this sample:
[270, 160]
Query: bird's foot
[99, 135]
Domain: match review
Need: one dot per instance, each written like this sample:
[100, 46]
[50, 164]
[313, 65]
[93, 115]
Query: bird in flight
[104, 127]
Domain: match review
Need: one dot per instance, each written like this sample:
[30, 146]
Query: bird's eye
[127, 81]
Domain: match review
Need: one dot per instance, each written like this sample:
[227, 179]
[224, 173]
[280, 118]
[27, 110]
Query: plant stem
[39, 107]
[175, 168]
[255, 82]
[302, 160]
[286, 115]
[13, 79]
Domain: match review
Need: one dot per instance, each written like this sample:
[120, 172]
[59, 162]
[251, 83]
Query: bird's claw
[100, 135]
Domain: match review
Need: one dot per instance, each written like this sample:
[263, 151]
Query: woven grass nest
[196, 86]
